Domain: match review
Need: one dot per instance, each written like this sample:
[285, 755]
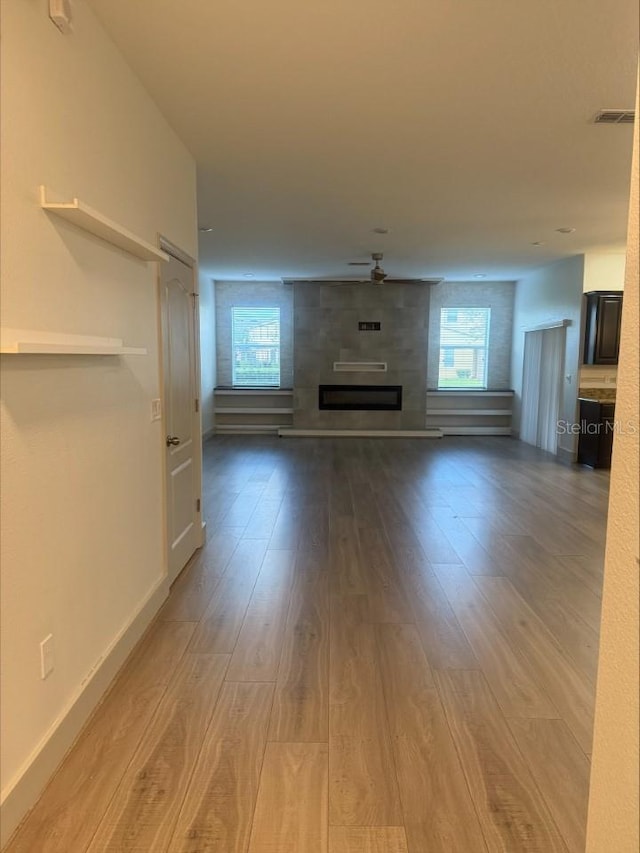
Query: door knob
[172, 439]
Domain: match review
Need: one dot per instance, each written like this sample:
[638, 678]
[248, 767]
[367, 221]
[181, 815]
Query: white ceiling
[462, 126]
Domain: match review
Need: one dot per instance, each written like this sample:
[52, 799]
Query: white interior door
[181, 419]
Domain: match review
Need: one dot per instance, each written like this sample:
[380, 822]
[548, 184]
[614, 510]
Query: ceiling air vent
[615, 117]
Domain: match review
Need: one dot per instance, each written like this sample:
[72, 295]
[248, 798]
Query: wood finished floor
[386, 646]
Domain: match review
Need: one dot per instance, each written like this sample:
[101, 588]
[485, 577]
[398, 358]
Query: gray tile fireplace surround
[326, 318]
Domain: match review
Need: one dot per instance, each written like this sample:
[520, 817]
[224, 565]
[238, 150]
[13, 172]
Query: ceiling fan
[377, 274]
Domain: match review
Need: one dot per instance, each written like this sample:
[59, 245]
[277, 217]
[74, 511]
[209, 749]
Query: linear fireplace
[360, 398]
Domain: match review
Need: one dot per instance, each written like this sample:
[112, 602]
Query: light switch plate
[156, 409]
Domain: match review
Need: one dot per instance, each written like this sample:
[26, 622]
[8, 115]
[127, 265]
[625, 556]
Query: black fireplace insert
[360, 398]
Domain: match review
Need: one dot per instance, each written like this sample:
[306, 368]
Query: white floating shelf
[234, 392]
[469, 393]
[85, 217]
[473, 412]
[28, 342]
[262, 428]
[252, 410]
[360, 366]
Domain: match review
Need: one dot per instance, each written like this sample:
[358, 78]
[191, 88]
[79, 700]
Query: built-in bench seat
[256, 410]
[467, 412]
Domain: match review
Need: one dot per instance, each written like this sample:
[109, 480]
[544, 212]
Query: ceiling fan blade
[342, 282]
[413, 280]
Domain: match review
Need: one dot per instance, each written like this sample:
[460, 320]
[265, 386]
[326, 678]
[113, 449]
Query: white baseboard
[22, 793]
[361, 433]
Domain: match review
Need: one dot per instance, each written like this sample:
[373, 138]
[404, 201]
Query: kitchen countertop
[600, 395]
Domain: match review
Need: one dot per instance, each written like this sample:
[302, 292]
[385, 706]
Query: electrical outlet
[47, 660]
[156, 409]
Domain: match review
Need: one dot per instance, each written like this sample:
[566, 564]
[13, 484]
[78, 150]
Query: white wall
[550, 294]
[613, 800]
[603, 271]
[82, 543]
[207, 352]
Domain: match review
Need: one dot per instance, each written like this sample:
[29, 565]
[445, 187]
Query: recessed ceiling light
[537, 243]
[480, 275]
[380, 230]
[565, 230]
[205, 229]
[248, 275]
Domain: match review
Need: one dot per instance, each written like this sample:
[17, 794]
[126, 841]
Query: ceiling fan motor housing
[377, 273]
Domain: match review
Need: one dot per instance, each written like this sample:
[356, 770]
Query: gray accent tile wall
[497, 295]
[326, 318]
[253, 294]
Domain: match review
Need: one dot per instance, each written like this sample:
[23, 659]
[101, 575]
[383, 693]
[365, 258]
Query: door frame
[180, 255]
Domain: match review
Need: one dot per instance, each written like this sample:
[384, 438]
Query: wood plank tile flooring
[386, 646]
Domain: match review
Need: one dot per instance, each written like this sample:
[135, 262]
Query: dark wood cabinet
[602, 327]
[597, 427]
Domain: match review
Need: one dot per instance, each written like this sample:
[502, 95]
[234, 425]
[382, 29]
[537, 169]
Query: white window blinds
[255, 347]
[464, 347]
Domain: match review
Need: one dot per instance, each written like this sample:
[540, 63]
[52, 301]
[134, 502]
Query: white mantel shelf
[85, 217]
[28, 342]
[360, 366]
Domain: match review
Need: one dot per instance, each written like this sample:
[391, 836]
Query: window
[464, 347]
[448, 359]
[255, 335]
